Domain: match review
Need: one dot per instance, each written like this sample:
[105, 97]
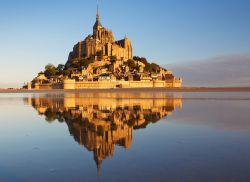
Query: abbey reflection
[99, 122]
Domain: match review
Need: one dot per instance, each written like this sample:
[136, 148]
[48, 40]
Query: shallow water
[125, 137]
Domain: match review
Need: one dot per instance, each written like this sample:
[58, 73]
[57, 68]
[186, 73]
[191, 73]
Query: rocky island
[99, 61]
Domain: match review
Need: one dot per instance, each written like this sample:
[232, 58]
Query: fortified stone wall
[72, 84]
[174, 84]
[102, 84]
[38, 86]
[137, 84]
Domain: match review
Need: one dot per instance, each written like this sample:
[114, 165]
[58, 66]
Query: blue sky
[36, 32]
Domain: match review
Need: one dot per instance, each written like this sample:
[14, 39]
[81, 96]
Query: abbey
[101, 62]
[102, 42]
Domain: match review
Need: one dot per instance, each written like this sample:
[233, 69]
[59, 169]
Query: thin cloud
[230, 70]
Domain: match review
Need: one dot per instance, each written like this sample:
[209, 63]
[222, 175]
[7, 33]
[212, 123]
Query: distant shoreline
[117, 90]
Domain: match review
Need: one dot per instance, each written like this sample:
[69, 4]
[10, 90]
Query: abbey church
[102, 42]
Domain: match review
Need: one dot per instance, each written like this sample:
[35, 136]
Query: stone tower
[100, 33]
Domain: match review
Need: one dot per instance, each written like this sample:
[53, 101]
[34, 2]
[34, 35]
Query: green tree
[60, 67]
[50, 70]
[148, 68]
[131, 64]
[141, 59]
[40, 73]
[155, 67]
[49, 66]
[66, 72]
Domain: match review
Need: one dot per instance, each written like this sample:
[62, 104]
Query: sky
[34, 33]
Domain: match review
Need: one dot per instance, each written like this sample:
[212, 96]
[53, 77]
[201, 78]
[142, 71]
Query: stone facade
[102, 42]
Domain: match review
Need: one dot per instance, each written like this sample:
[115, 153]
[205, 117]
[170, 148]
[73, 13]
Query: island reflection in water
[101, 121]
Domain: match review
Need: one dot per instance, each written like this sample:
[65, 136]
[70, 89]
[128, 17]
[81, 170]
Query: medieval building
[102, 42]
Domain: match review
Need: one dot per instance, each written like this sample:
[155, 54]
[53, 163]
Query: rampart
[71, 84]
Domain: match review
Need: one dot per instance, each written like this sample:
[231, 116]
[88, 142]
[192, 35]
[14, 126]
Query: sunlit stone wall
[72, 84]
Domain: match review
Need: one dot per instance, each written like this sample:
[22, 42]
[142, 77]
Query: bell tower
[97, 24]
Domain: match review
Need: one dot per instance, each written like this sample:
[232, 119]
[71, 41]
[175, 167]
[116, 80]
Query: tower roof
[98, 22]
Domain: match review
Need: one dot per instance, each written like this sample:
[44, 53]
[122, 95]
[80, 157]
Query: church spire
[97, 23]
[97, 10]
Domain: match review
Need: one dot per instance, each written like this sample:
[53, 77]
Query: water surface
[125, 137]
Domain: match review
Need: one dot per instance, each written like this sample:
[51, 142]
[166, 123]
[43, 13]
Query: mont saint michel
[100, 61]
[124, 91]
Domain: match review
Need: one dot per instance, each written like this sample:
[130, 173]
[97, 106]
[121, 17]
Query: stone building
[102, 43]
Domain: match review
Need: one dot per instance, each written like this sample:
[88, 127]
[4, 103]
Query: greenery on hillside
[149, 67]
[78, 64]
